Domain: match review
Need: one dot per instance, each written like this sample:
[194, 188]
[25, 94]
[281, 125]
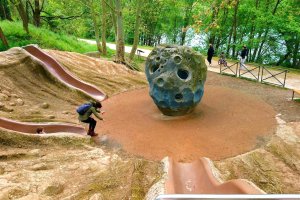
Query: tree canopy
[269, 28]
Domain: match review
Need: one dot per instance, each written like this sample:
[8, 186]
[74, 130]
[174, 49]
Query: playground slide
[59, 72]
[31, 127]
[197, 178]
[63, 75]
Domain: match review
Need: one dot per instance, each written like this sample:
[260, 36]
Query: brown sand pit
[226, 123]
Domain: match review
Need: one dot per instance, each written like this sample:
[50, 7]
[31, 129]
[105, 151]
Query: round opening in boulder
[177, 59]
[183, 74]
[178, 97]
[154, 68]
[160, 82]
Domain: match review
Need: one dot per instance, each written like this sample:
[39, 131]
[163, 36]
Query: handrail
[262, 80]
[229, 67]
[249, 71]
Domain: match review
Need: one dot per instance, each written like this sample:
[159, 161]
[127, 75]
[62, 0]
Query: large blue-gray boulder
[176, 76]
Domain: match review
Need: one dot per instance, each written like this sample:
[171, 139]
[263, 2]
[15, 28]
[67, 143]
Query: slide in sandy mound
[32, 127]
[58, 71]
[197, 178]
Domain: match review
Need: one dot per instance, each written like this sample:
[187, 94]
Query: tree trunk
[266, 32]
[252, 32]
[229, 40]
[258, 58]
[295, 61]
[120, 57]
[113, 18]
[215, 14]
[37, 13]
[5, 11]
[103, 26]
[234, 27]
[256, 48]
[221, 37]
[136, 29]
[187, 17]
[21, 10]
[3, 38]
[174, 31]
[96, 26]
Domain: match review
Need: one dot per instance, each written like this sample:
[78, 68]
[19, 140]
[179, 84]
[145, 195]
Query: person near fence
[222, 59]
[210, 53]
[243, 57]
[244, 54]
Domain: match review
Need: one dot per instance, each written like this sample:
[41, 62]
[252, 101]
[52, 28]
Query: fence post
[236, 69]
[284, 78]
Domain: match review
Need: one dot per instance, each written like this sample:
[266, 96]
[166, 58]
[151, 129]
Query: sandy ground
[221, 126]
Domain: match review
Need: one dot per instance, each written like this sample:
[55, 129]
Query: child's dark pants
[92, 123]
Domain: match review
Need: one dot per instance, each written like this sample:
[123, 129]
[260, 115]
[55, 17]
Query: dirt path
[292, 80]
[223, 125]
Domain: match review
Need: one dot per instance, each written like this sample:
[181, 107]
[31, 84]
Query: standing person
[210, 53]
[85, 111]
[244, 54]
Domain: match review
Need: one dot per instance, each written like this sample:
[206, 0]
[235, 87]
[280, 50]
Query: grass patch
[45, 38]
[287, 153]
[256, 168]
[123, 180]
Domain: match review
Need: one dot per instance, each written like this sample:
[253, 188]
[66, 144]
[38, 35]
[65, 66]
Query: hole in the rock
[177, 59]
[160, 82]
[163, 61]
[157, 59]
[183, 74]
[154, 68]
[178, 97]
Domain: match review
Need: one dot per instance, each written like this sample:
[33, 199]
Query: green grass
[17, 37]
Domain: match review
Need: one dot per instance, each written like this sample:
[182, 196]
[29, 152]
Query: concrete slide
[31, 127]
[197, 178]
[63, 75]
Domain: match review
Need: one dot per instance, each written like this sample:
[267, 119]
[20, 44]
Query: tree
[187, 18]
[4, 10]
[22, 12]
[120, 50]
[36, 11]
[3, 39]
[103, 27]
[136, 28]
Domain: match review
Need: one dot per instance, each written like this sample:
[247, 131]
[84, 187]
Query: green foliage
[270, 29]
[17, 37]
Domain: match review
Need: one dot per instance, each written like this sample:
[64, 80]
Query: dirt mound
[33, 167]
[29, 93]
[112, 78]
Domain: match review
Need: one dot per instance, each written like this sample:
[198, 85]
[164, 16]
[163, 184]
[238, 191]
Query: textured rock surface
[176, 75]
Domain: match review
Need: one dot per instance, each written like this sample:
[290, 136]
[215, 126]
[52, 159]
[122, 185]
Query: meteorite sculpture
[176, 76]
